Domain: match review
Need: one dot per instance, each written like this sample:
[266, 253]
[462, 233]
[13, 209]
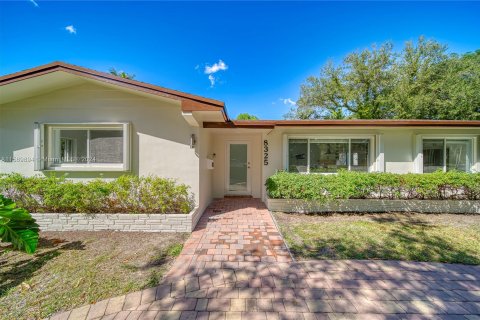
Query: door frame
[248, 192]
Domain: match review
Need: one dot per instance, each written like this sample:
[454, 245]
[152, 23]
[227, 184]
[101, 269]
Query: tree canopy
[246, 116]
[421, 81]
[122, 74]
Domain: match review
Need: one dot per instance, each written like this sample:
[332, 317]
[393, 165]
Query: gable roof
[189, 101]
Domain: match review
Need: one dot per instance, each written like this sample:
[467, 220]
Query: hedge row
[358, 185]
[126, 194]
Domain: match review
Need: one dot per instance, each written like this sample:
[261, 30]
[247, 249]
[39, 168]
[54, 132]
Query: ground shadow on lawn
[413, 233]
[405, 239]
[21, 267]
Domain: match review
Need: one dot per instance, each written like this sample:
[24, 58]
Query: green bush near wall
[126, 194]
[359, 185]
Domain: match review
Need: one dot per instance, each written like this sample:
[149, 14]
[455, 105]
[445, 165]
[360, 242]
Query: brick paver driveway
[236, 266]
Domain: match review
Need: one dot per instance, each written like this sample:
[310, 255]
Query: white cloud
[212, 79]
[211, 70]
[34, 3]
[288, 101]
[219, 66]
[71, 29]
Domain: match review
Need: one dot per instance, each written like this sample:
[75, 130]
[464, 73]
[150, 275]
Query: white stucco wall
[160, 136]
[204, 151]
[219, 173]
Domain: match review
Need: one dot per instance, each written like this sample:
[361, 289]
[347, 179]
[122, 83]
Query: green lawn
[71, 269]
[414, 237]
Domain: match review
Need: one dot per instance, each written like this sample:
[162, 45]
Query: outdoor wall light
[193, 141]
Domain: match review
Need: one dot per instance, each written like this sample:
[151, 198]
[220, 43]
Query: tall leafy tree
[358, 87]
[419, 77]
[459, 95]
[422, 81]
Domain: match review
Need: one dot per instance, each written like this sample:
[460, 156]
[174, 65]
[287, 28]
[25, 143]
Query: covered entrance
[238, 163]
[238, 167]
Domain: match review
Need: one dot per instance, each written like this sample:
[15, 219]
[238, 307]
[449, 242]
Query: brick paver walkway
[236, 266]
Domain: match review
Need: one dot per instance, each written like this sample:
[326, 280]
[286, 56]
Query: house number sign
[265, 152]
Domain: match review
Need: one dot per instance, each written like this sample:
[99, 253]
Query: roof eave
[256, 124]
[189, 101]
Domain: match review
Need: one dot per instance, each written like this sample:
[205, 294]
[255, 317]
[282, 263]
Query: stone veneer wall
[118, 222]
[375, 205]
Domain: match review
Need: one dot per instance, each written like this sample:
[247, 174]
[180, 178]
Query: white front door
[238, 168]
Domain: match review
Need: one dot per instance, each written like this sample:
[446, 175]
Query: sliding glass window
[328, 155]
[447, 155]
[297, 155]
[89, 145]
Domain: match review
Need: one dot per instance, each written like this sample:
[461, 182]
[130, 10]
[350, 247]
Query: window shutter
[37, 147]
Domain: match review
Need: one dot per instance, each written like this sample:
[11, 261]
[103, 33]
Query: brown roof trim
[381, 123]
[270, 124]
[249, 124]
[190, 102]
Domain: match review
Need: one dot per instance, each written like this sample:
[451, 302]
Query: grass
[411, 237]
[71, 269]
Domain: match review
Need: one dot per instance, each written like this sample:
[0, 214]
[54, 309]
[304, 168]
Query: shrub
[361, 185]
[126, 194]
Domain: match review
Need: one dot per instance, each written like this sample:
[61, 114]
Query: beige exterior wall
[160, 136]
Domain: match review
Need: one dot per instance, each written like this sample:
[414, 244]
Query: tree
[17, 226]
[356, 88]
[122, 74]
[434, 85]
[459, 95]
[246, 116]
[422, 81]
[419, 74]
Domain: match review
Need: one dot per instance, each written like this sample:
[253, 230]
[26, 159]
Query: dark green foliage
[360, 185]
[421, 81]
[17, 226]
[126, 194]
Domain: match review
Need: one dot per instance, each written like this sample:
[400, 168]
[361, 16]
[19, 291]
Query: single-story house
[88, 124]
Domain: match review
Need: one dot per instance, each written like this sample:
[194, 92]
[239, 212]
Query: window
[297, 155]
[359, 155]
[447, 154]
[328, 155]
[87, 147]
[319, 155]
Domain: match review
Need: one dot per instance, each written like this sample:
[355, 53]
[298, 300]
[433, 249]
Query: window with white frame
[87, 146]
[328, 155]
[447, 154]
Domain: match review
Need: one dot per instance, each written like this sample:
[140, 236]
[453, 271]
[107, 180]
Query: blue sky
[267, 48]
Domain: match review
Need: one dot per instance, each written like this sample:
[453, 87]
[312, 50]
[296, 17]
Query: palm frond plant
[17, 226]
